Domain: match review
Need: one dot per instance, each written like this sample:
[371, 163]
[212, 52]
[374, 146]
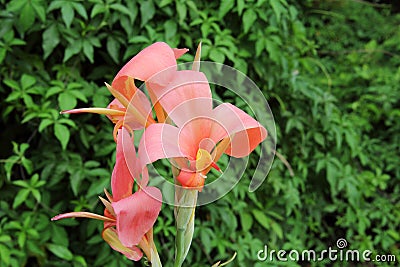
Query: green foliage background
[329, 69]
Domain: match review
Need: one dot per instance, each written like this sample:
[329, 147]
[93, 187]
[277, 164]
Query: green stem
[185, 209]
[179, 247]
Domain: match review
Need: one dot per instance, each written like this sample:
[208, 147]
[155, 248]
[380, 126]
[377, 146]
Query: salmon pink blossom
[128, 218]
[201, 133]
[131, 106]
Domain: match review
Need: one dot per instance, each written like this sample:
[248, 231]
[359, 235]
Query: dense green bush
[329, 69]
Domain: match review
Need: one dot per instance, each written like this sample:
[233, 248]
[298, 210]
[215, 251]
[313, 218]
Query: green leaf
[44, 124]
[225, 7]
[217, 56]
[246, 221]
[170, 29]
[259, 46]
[36, 194]
[273, 50]
[67, 122]
[80, 260]
[249, 17]
[164, 3]
[10, 162]
[27, 16]
[5, 239]
[55, 5]
[147, 12]
[122, 9]
[21, 183]
[262, 219]
[97, 9]
[21, 196]
[319, 138]
[60, 251]
[51, 39]
[40, 10]
[15, 5]
[5, 254]
[181, 9]
[72, 49]
[113, 48]
[277, 229]
[94, 41]
[240, 6]
[75, 181]
[67, 13]
[66, 101]
[62, 134]
[205, 237]
[139, 39]
[88, 50]
[80, 9]
[28, 165]
[3, 53]
[21, 239]
[59, 235]
[278, 8]
[27, 81]
[23, 147]
[12, 84]
[78, 94]
[52, 91]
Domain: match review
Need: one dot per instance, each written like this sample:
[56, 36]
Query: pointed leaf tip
[196, 62]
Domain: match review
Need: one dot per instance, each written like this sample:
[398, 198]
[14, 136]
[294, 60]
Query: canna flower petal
[111, 237]
[151, 60]
[178, 52]
[137, 214]
[187, 100]
[246, 133]
[159, 141]
[122, 179]
[193, 133]
[193, 180]
[187, 96]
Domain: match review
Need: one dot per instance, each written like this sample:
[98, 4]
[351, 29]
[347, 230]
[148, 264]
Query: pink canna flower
[128, 218]
[131, 107]
[202, 133]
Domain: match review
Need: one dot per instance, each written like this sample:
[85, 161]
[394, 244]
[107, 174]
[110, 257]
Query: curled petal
[192, 180]
[111, 237]
[193, 133]
[245, 132]
[151, 60]
[137, 214]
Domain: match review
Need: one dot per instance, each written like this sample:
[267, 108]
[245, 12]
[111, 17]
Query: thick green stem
[185, 209]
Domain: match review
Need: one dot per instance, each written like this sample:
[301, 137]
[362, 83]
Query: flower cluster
[186, 129]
